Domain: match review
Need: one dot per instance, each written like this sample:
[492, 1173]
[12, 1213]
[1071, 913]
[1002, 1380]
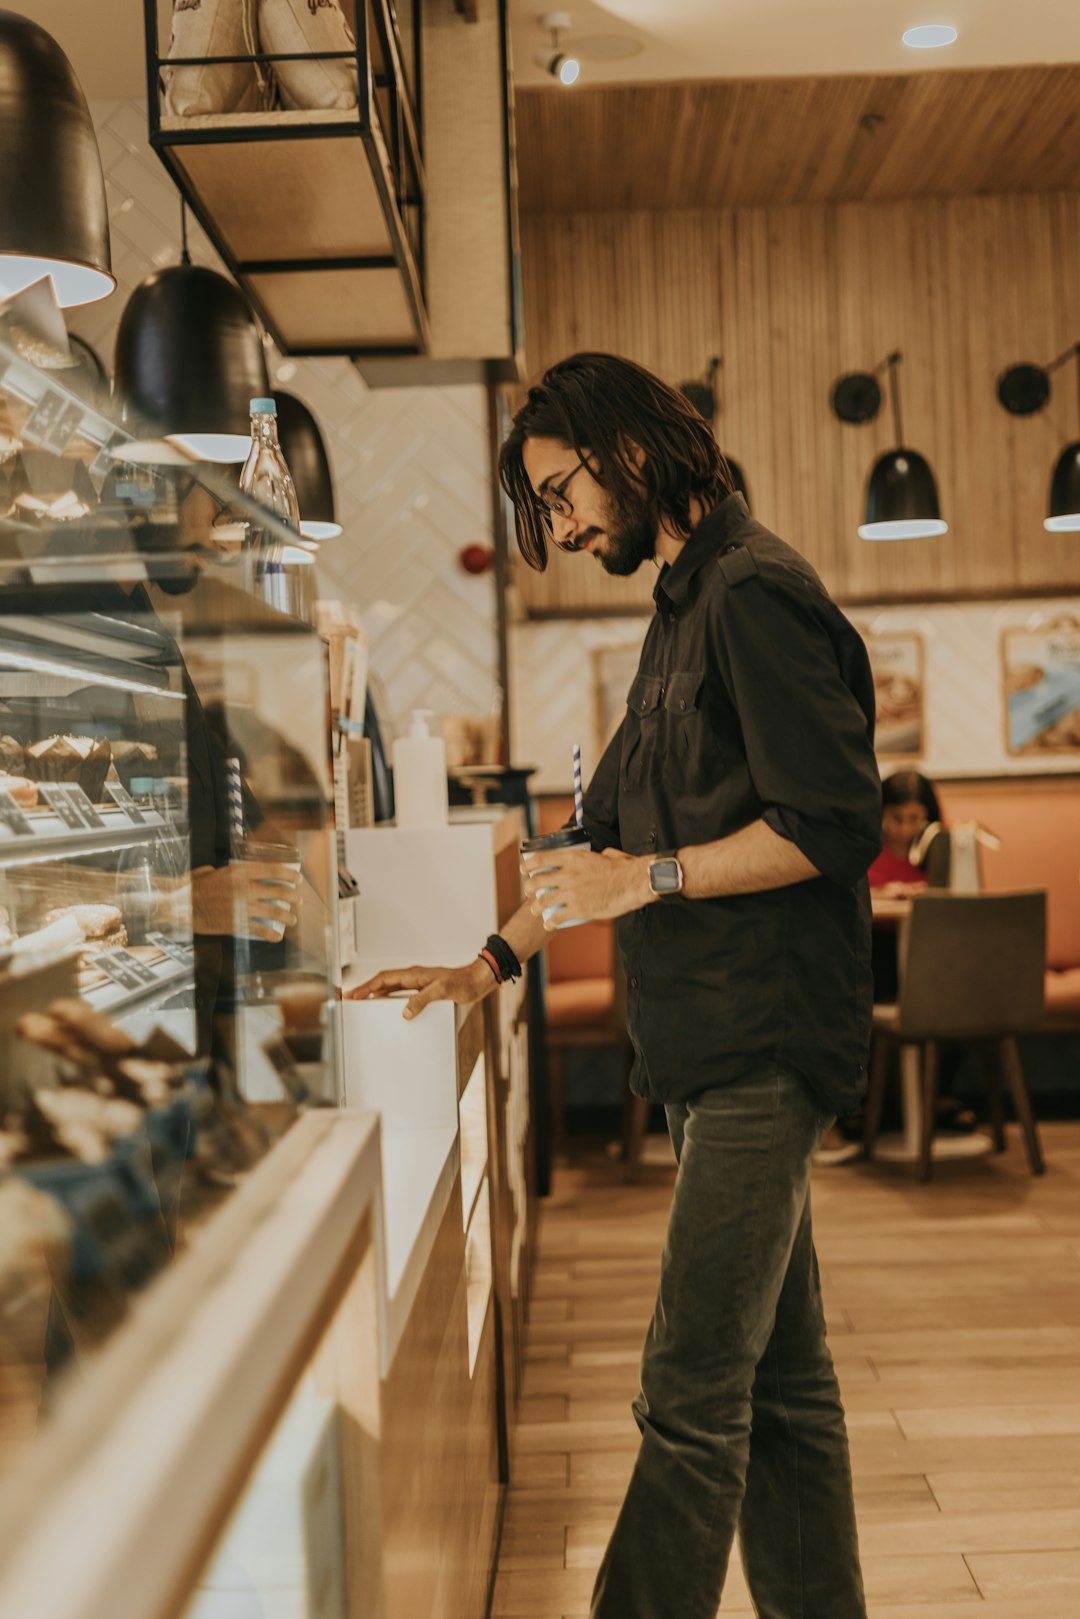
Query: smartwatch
[666, 875]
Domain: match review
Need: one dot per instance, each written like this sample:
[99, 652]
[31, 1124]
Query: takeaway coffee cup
[301, 1000]
[277, 897]
[567, 840]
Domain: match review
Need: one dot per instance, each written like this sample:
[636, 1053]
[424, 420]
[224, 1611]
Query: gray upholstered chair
[971, 970]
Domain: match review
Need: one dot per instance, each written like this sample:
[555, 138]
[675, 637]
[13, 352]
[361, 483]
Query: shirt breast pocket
[639, 737]
[684, 713]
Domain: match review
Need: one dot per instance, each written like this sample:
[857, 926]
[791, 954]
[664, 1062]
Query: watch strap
[667, 893]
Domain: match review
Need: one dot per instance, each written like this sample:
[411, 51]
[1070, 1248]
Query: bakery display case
[261, 1266]
[167, 867]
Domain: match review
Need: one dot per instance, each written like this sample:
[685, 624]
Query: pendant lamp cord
[185, 256]
[711, 371]
[893, 363]
[1072, 352]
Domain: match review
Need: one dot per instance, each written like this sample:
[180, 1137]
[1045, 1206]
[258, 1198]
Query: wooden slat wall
[793, 298]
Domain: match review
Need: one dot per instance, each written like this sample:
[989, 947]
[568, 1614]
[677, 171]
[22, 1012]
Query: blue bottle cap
[263, 407]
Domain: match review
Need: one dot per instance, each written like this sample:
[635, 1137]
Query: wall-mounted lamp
[552, 58]
[1025, 389]
[702, 395]
[901, 494]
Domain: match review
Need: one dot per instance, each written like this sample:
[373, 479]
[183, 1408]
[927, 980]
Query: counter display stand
[461, 883]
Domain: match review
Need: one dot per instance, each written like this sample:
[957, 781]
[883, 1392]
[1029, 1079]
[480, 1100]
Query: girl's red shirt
[890, 868]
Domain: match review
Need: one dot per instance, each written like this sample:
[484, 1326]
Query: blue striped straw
[234, 793]
[579, 805]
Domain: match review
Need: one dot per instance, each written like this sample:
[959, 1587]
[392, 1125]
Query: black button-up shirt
[753, 700]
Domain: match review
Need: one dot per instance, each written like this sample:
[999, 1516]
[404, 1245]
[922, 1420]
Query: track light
[553, 59]
[901, 494]
[1025, 389]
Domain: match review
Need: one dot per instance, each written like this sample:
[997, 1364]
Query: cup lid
[567, 837]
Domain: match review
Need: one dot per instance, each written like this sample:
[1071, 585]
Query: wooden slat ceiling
[745, 143]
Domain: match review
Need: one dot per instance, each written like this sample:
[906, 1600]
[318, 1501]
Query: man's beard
[632, 541]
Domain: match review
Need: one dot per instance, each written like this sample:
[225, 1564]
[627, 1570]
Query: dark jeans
[741, 1423]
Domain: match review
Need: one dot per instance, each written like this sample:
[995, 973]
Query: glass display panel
[167, 863]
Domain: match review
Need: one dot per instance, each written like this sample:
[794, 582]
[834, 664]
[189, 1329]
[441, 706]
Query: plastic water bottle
[284, 574]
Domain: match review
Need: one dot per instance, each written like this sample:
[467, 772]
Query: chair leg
[874, 1105]
[557, 1098]
[931, 1066]
[637, 1122]
[992, 1074]
[1021, 1100]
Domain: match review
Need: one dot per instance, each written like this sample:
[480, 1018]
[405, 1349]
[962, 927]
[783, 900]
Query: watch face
[665, 877]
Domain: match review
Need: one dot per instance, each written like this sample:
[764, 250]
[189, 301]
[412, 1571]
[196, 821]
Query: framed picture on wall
[614, 668]
[1041, 673]
[898, 662]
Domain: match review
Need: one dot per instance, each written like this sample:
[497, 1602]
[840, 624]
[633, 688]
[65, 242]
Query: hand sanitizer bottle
[420, 795]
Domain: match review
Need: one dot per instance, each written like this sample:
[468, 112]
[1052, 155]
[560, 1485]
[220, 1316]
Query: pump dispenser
[420, 795]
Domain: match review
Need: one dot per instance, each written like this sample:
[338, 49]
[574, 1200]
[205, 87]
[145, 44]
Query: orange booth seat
[582, 1004]
[580, 993]
[1038, 822]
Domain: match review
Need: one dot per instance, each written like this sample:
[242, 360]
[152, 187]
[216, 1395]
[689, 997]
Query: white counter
[407, 1073]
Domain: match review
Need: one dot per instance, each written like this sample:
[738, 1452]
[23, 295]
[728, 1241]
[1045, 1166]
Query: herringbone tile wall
[411, 465]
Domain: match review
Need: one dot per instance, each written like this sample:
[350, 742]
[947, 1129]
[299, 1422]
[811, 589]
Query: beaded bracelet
[509, 967]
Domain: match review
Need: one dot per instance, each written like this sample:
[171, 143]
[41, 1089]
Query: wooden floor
[954, 1314]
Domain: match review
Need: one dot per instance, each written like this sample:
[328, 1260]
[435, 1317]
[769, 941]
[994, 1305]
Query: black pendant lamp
[306, 458]
[189, 359]
[53, 215]
[1025, 389]
[702, 395]
[901, 494]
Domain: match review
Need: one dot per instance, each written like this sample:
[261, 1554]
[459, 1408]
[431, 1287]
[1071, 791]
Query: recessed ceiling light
[930, 36]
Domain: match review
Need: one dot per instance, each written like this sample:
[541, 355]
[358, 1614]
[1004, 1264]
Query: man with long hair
[732, 820]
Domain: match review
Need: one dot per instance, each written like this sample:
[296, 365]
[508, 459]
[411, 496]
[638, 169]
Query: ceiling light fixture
[188, 360]
[930, 36]
[553, 59]
[52, 191]
[1024, 390]
[901, 494]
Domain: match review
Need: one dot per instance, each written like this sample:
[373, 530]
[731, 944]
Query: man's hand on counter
[462, 985]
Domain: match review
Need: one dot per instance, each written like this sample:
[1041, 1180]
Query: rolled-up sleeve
[804, 696]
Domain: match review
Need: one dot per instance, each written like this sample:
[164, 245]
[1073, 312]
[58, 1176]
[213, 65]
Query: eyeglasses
[553, 501]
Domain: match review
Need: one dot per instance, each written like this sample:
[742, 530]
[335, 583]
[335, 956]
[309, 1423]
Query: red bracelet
[487, 956]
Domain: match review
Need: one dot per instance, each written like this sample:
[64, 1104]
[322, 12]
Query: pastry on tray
[134, 759]
[22, 790]
[112, 1065]
[101, 925]
[80, 759]
[12, 756]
